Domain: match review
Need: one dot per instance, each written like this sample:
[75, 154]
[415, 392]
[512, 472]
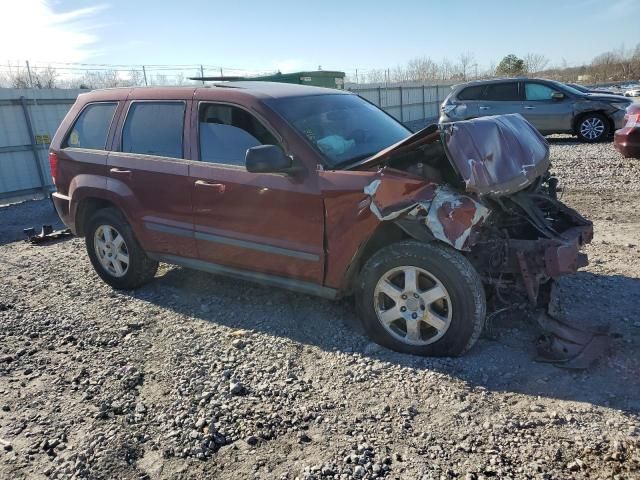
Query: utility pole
[29, 72]
[221, 74]
[202, 73]
[144, 73]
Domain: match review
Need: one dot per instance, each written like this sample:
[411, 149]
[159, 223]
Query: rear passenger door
[149, 175]
[500, 98]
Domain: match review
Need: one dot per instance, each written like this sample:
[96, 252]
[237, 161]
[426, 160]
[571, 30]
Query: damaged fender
[449, 216]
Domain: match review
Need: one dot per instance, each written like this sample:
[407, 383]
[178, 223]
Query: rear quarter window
[91, 128]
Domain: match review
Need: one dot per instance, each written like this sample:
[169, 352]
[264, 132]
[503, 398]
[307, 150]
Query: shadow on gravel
[503, 363]
[15, 218]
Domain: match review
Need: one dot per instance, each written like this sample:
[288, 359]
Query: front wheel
[423, 299]
[592, 128]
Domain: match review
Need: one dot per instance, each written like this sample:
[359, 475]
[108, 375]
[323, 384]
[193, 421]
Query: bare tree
[466, 61]
[535, 62]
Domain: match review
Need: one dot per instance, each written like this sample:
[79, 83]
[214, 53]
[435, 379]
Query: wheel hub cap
[111, 250]
[412, 305]
[592, 128]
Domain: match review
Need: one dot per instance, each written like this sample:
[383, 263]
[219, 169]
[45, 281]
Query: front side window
[537, 92]
[154, 128]
[92, 127]
[503, 92]
[344, 128]
[227, 132]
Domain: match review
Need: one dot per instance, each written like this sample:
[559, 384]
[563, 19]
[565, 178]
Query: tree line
[612, 66]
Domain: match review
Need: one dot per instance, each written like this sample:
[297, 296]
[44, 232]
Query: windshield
[344, 128]
[569, 88]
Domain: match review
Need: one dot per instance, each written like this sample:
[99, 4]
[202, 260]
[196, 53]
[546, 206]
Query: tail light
[53, 164]
[632, 120]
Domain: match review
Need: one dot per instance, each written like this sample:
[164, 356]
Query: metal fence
[415, 106]
[30, 117]
[28, 120]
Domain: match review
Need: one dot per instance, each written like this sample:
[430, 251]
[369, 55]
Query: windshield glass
[568, 88]
[344, 128]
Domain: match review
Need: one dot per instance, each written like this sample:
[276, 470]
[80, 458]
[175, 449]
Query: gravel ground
[196, 376]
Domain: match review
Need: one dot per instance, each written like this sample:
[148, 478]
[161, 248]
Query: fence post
[144, 72]
[424, 105]
[401, 109]
[437, 101]
[379, 96]
[34, 146]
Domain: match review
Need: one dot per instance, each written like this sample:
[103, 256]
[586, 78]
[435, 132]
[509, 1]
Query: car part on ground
[633, 92]
[551, 107]
[47, 233]
[627, 139]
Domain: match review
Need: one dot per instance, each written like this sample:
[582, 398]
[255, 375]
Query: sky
[289, 35]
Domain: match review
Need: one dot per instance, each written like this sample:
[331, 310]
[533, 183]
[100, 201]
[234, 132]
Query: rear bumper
[62, 204]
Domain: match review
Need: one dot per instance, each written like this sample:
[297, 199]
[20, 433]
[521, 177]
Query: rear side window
[471, 93]
[505, 92]
[227, 132]
[154, 128]
[91, 128]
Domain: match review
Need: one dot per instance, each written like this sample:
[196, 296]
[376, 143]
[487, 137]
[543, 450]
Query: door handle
[484, 108]
[120, 170]
[528, 107]
[219, 187]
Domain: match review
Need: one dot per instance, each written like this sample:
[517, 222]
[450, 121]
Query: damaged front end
[488, 194]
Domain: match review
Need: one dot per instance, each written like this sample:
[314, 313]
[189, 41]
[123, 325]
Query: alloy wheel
[592, 128]
[111, 250]
[412, 305]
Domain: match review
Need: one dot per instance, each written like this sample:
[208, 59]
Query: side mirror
[267, 159]
[557, 96]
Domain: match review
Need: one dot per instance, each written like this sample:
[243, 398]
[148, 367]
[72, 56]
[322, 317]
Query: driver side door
[264, 223]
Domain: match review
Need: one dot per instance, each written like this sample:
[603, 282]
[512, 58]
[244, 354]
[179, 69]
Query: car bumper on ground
[627, 141]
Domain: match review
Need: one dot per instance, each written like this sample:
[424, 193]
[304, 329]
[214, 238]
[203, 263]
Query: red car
[627, 139]
[319, 191]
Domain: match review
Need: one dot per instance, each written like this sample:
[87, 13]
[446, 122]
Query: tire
[107, 256]
[592, 128]
[459, 314]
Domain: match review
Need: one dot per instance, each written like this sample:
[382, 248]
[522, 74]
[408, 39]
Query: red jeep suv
[319, 191]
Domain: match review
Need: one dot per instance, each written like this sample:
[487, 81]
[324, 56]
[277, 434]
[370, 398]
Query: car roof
[500, 80]
[261, 90]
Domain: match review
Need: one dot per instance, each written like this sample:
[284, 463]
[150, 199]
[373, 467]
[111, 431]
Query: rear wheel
[423, 299]
[115, 253]
[593, 127]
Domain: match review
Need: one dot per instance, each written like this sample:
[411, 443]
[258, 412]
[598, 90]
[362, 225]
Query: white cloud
[31, 30]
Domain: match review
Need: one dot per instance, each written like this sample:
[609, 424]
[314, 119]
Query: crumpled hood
[496, 155]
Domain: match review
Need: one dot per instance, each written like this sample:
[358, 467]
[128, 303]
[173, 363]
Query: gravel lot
[196, 376]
